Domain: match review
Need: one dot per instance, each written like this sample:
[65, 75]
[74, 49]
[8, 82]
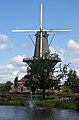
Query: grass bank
[56, 104]
[51, 101]
[14, 99]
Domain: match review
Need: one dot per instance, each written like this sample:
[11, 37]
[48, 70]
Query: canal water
[22, 113]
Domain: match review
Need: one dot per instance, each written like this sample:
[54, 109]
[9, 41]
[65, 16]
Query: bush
[76, 98]
[77, 105]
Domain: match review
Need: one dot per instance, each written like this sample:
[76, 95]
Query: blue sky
[25, 14]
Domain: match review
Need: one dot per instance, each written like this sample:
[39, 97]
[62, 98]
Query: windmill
[41, 46]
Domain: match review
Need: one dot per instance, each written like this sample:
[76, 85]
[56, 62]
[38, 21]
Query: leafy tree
[16, 83]
[70, 77]
[8, 86]
[56, 83]
[5, 87]
[2, 88]
[41, 74]
[61, 73]
[72, 81]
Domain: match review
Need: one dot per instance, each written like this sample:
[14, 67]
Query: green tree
[72, 81]
[61, 73]
[2, 88]
[16, 83]
[8, 86]
[41, 75]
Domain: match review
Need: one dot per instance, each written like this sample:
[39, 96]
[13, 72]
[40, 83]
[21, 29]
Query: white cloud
[4, 38]
[52, 50]
[75, 62]
[24, 46]
[10, 67]
[16, 67]
[73, 46]
[6, 46]
[59, 51]
[5, 43]
[75, 65]
[17, 60]
[5, 74]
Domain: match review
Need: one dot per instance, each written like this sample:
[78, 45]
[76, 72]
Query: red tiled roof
[23, 80]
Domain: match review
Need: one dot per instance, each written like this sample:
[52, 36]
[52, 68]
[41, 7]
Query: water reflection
[21, 113]
[42, 114]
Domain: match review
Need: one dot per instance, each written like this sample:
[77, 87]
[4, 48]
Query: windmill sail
[41, 46]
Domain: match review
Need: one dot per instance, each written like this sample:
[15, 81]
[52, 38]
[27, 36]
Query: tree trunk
[43, 94]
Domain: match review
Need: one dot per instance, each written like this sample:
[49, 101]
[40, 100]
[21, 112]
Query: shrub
[77, 105]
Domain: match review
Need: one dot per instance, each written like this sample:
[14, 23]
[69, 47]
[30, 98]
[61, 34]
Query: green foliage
[5, 87]
[56, 104]
[77, 105]
[8, 86]
[41, 75]
[2, 88]
[72, 81]
[45, 104]
[66, 105]
[16, 82]
[22, 100]
[66, 89]
[14, 99]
